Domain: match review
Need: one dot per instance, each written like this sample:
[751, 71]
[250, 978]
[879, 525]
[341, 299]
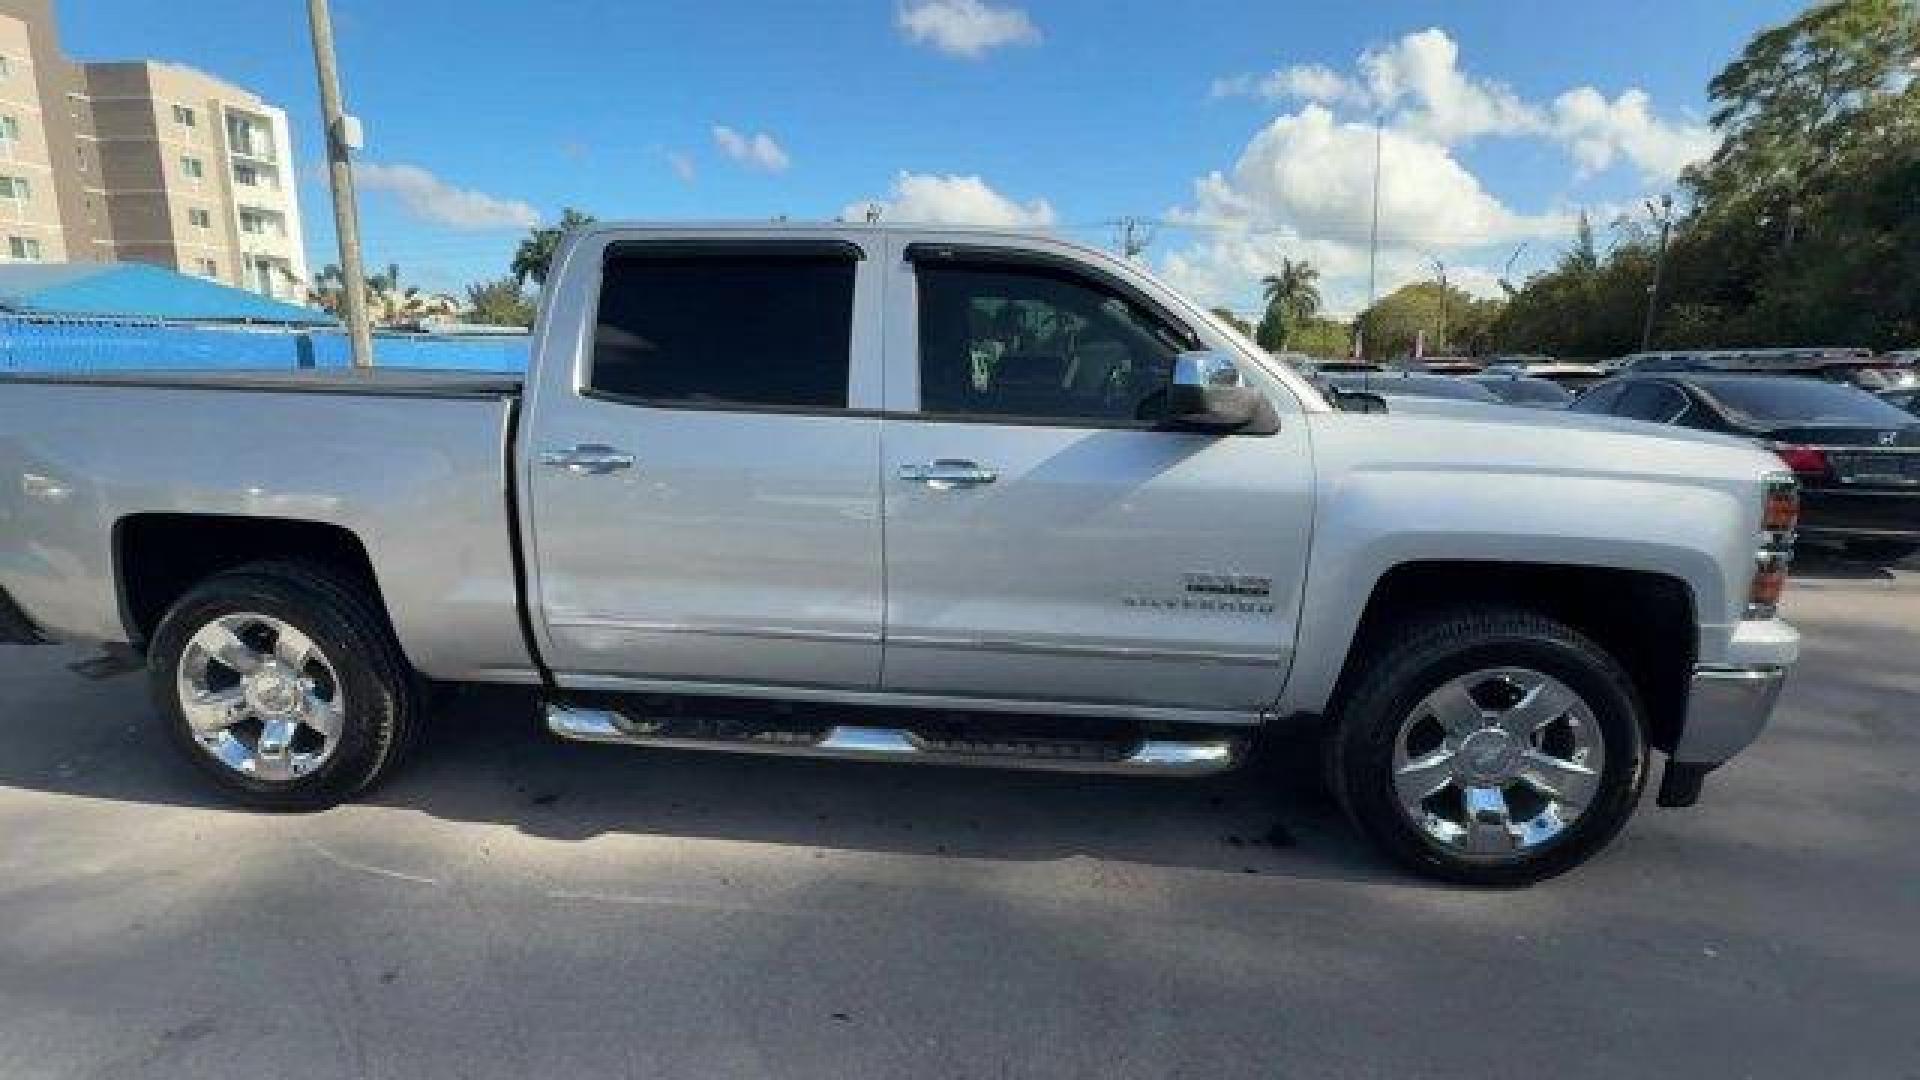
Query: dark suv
[1857, 456]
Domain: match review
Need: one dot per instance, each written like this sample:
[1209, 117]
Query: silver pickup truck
[914, 495]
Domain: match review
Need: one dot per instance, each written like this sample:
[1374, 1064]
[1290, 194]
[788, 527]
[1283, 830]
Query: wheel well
[1646, 620]
[158, 557]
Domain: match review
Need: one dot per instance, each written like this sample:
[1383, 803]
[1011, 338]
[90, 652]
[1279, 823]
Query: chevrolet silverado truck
[901, 494]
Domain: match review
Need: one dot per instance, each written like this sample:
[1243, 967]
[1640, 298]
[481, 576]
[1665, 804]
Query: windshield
[1779, 403]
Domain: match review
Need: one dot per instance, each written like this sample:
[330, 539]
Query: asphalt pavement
[510, 906]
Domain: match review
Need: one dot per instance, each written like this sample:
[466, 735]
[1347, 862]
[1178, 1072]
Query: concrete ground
[514, 907]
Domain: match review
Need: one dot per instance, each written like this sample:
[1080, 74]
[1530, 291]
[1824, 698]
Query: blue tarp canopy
[138, 291]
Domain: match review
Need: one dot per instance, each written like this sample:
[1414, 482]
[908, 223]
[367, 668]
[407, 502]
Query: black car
[1525, 391]
[1857, 456]
[1411, 384]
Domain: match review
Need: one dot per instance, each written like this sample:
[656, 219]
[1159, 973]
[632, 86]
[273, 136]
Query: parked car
[1526, 391]
[1740, 360]
[944, 496]
[1908, 399]
[1856, 455]
[1392, 384]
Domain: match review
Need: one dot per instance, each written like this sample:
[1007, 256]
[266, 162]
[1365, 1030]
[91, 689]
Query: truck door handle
[588, 459]
[947, 474]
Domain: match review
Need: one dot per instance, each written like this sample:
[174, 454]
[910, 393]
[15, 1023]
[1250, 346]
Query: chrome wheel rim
[260, 697]
[1498, 763]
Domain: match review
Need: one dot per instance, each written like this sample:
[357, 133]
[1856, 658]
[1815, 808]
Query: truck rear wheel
[284, 683]
[1489, 746]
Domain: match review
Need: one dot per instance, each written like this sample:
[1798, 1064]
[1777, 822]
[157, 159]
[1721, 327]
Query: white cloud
[1419, 76]
[1417, 84]
[1597, 132]
[429, 198]
[1303, 188]
[757, 151]
[1302, 82]
[969, 28]
[954, 200]
[683, 166]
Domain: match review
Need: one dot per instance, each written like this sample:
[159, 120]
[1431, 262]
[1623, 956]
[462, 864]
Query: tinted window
[1038, 343]
[1789, 402]
[1652, 402]
[726, 325]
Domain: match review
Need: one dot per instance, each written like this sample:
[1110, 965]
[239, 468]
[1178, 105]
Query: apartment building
[142, 161]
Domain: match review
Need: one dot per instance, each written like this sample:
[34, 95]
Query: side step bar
[1149, 757]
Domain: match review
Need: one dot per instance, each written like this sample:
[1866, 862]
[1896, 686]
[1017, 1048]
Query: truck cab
[914, 464]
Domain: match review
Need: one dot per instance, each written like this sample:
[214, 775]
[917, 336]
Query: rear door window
[726, 325]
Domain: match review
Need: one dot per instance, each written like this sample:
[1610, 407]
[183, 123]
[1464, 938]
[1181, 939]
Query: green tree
[500, 302]
[1293, 297]
[1585, 306]
[1328, 339]
[1805, 225]
[1402, 317]
[1802, 228]
[534, 257]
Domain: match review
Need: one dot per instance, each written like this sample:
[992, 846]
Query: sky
[1241, 132]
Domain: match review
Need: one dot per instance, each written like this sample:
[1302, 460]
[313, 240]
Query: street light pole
[1373, 238]
[1440, 268]
[1665, 217]
[346, 216]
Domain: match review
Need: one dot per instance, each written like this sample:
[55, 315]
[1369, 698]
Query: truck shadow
[485, 759]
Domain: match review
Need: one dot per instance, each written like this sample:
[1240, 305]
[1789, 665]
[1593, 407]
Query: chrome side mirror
[1209, 394]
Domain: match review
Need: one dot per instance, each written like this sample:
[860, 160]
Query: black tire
[1420, 656]
[1882, 552]
[383, 701]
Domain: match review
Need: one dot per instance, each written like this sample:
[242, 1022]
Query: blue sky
[1245, 127]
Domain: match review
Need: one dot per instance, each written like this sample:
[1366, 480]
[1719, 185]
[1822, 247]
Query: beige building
[141, 162]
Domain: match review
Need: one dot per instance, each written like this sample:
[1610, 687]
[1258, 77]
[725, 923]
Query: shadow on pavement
[485, 759]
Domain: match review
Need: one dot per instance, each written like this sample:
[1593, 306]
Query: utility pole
[343, 137]
[1665, 217]
[1373, 237]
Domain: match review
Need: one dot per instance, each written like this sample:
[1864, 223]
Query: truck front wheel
[283, 683]
[1490, 746]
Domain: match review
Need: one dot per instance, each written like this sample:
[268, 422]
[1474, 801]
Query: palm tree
[1293, 297]
[534, 257]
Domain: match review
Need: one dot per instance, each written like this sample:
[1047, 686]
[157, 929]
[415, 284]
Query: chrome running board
[1148, 757]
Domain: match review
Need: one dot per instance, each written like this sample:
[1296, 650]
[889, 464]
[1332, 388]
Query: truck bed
[409, 467]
